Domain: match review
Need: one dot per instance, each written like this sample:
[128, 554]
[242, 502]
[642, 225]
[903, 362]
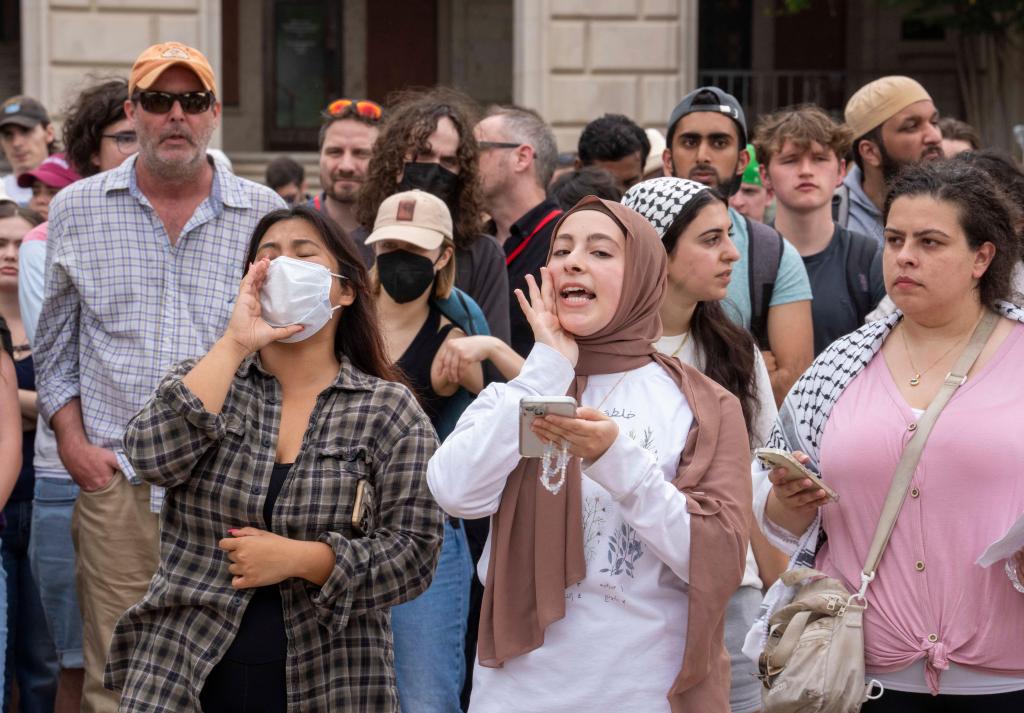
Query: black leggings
[245, 688]
[900, 702]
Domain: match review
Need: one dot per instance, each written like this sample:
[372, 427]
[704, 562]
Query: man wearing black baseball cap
[769, 292]
[712, 148]
[26, 137]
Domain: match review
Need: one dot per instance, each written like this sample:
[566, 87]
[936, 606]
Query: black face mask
[404, 275]
[432, 178]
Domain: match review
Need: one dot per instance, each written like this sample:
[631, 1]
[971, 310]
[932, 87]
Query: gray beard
[173, 171]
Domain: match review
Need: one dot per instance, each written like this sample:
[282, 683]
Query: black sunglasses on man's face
[163, 102]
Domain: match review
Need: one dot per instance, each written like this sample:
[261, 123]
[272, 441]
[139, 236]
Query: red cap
[54, 172]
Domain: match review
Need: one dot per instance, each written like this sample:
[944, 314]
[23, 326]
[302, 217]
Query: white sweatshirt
[621, 642]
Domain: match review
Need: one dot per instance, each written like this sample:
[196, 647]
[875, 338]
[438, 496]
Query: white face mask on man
[297, 292]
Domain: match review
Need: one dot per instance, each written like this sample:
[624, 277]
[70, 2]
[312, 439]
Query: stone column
[577, 59]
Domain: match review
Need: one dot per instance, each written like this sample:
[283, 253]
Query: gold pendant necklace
[915, 380]
[686, 338]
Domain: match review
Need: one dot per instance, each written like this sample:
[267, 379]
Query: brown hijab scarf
[537, 537]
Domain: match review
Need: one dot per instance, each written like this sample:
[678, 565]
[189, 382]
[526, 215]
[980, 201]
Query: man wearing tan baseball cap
[895, 123]
[170, 228]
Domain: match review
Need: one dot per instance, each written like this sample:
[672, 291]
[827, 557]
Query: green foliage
[997, 18]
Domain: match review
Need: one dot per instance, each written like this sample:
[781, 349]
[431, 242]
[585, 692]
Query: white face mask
[297, 292]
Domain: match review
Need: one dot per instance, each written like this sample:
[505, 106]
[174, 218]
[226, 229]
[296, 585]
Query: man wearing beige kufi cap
[894, 123]
[143, 262]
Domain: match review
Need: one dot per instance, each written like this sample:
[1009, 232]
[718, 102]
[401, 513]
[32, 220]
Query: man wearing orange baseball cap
[147, 258]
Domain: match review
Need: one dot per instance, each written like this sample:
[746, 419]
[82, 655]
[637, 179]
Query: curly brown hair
[412, 116]
[88, 116]
[802, 125]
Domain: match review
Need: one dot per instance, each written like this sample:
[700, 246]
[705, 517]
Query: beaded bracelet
[549, 466]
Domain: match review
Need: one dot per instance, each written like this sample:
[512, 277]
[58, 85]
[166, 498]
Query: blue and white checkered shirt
[122, 304]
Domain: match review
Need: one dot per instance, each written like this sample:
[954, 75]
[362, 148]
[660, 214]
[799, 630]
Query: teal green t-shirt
[791, 285]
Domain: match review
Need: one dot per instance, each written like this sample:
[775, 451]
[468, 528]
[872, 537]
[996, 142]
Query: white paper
[1005, 546]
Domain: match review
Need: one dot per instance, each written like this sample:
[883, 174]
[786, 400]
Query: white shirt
[16, 193]
[686, 351]
[622, 640]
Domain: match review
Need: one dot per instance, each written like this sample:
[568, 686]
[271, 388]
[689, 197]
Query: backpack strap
[861, 254]
[841, 205]
[764, 255]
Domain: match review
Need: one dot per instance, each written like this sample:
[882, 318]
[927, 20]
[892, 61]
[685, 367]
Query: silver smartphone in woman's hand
[795, 470]
[530, 445]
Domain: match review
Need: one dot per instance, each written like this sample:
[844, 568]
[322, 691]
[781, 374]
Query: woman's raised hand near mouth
[540, 313]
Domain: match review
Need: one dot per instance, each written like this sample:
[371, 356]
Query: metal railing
[763, 91]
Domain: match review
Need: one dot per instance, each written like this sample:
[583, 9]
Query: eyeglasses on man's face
[127, 141]
[485, 145]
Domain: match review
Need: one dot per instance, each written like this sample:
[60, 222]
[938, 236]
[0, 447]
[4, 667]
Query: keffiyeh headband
[661, 199]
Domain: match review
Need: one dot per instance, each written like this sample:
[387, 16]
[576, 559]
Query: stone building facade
[571, 60]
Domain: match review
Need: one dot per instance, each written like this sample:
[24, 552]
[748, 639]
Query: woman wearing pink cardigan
[940, 632]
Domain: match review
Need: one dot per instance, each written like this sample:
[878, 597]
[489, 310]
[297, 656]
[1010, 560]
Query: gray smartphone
[795, 470]
[530, 446]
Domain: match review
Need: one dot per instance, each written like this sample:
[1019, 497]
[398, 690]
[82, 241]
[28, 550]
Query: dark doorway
[10, 49]
[724, 29]
[304, 69]
[724, 46]
[401, 46]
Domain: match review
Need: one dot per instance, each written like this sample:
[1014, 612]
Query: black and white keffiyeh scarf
[660, 199]
[799, 427]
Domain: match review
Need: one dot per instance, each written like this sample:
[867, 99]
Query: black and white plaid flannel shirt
[217, 470]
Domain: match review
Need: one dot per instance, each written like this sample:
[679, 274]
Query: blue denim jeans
[52, 556]
[430, 633]
[31, 658]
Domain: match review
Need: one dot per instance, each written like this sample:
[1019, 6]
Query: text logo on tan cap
[406, 210]
[174, 53]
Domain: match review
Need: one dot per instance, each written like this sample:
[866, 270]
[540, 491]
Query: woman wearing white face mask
[415, 266]
[297, 512]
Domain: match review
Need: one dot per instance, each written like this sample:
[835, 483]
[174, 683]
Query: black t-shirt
[837, 308]
[528, 262]
[418, 359]
[261, 636]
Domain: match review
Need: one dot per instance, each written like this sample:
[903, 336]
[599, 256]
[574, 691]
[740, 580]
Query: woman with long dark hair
[297, 511]
[693, 222]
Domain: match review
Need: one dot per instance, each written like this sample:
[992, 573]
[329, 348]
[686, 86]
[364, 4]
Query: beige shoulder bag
[814, 658]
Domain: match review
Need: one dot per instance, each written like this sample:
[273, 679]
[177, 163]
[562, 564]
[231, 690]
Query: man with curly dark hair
[97, 134]
[427, 142]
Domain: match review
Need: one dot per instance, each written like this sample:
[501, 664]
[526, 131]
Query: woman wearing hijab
[693, 223]
[608, 593]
